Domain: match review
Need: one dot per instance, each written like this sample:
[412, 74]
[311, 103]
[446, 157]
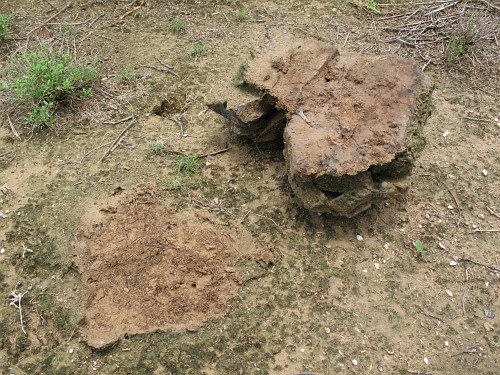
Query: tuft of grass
[42, 79]
[240, 73]
[4, 27]
[156, 148]
[196, 49]
[177, 26]
[127, 75]
[186, 173]
[371, 5]
[241, 15]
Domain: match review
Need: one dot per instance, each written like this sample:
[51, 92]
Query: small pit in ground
[147, 267]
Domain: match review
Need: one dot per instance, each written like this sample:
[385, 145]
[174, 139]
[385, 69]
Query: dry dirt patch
[148, 267]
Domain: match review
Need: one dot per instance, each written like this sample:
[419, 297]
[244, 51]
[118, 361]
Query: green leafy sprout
[419, 246]
[177, 26]
[44, 78]
[371, 5]
[4, 27]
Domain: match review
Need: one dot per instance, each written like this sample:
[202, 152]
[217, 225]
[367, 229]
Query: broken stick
[117, 140]
[14, 131]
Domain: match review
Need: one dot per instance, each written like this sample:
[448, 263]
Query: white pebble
[2, 251]
[450, 207]
[359, 237]
[485, 172]
[453, 263]
[481, 216]
[302, 350]
[449, 293]
[355, 362]
[70, 350]
[446, 133]
[441, 246]
[446, 343]
[426, 361]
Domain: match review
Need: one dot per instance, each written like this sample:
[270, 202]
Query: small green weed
[127, 75]
[240, 73]
[177, 26]
[186, 173]
[454, 51]
[419, 246]
[43, 78]
[156, 148]
[4, 27]
[371, 5]
[188, 165]
[241, 15]
[196, 49]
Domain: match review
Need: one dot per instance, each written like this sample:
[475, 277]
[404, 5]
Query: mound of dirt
[146, 267]
[355, 122]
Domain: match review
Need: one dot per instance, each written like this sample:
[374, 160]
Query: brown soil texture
[146, 267]
[338, 296]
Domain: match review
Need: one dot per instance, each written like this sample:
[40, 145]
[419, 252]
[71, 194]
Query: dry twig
[14, 131]
[490, 210]
[15, 298]
[117, 140]
[50, 19]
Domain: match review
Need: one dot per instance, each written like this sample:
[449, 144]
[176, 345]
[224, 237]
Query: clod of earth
[352, 124]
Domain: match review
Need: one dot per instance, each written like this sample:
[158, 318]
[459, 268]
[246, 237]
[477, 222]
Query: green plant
[419, 246]
[196, 49]
[240, 73]
[371, 5]
[127, 75]
[156, 148]
[241, 15]
[186, 169]
[4, 27]
[177, 26]
[43, 78]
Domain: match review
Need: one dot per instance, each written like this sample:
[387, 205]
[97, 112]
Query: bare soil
[135, 269]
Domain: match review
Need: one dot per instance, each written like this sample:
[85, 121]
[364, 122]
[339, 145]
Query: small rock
[488, 327]
[355, 362]
[302, 350]
[380, 368]
[2, 250]
[441, 246]
[446, 133]
[70, 350]
[489, 313]
[481, 216]
[327, 330]
[426, 361]
[2, 215]
[450, 207]
[446, 343]
[449, 293]
[377, 266]
[453, 263]
[484, 172]
[386, 246]
[359, 237]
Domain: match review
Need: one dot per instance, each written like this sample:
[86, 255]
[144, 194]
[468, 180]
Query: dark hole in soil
[331, 194]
